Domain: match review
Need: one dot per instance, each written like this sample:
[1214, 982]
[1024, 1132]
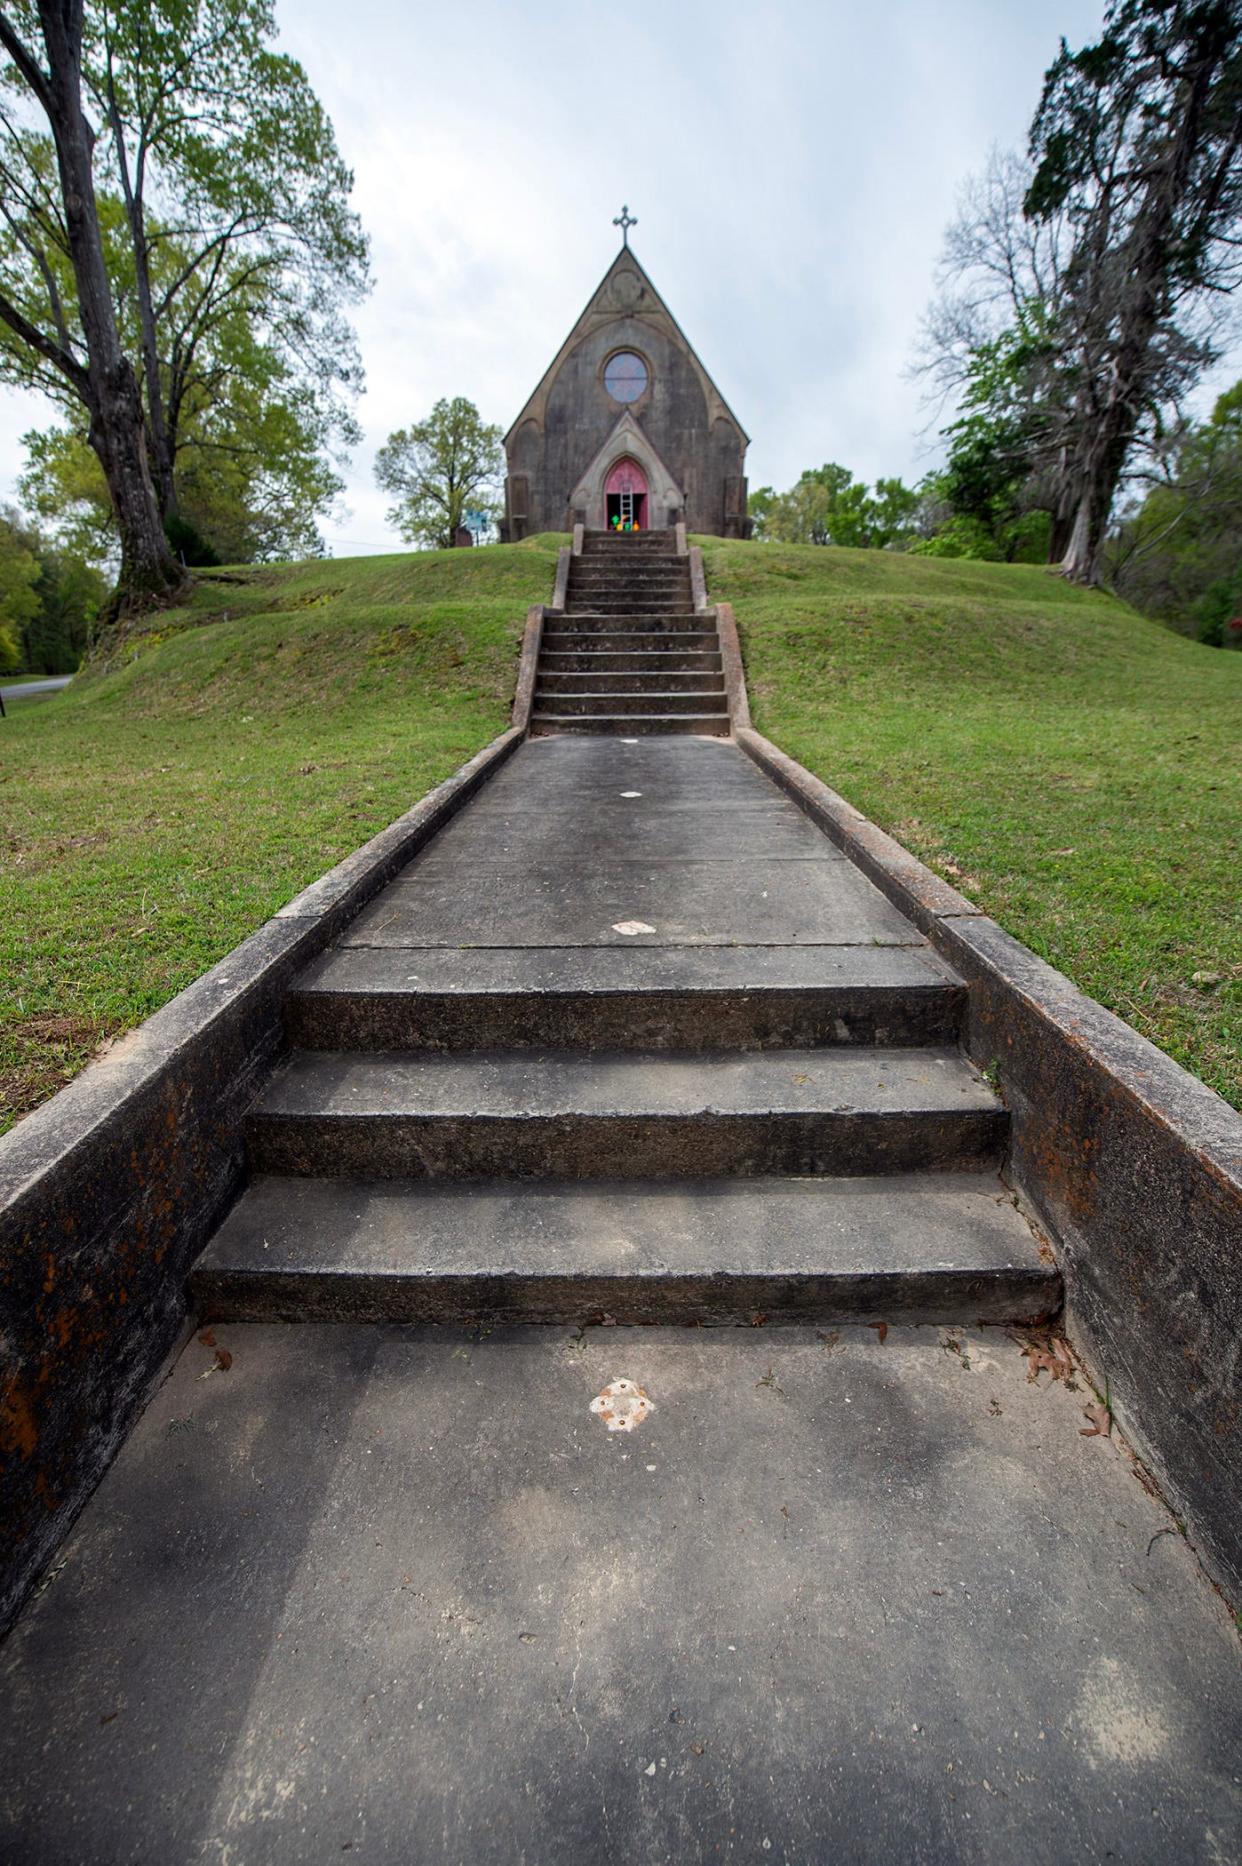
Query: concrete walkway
[846, 1592]
[30, 689]
[396, 1594]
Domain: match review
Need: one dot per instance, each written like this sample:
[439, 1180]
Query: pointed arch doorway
[626, 496]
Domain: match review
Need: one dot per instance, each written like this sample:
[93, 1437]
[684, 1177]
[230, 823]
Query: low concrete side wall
[731, 663]
[524, 692]
[109, 1191]
[1134, 1167]
[698, 578]
[560, 589]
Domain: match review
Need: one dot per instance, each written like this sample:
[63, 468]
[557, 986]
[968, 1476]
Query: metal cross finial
[625, 221]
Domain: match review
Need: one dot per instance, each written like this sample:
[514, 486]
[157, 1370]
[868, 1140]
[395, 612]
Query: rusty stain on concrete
[622, 1405]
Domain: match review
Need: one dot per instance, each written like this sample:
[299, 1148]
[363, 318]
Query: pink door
[625, 497]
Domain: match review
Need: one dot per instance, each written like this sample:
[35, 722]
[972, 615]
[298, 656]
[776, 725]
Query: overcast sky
[792, 166]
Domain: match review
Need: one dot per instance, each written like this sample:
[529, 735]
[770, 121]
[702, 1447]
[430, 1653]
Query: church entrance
[625, 497]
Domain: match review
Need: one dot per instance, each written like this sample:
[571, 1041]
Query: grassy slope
[1072, 767]
[152, 816]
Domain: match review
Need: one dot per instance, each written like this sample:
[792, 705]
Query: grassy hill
[164, 805]
[1072, 767]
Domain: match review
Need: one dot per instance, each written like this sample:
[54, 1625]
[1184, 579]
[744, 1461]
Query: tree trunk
[149, 570]
[1059, 536]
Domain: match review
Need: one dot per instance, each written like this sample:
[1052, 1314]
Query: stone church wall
[558, 452]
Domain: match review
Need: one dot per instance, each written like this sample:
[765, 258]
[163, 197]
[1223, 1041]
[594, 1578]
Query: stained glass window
[625, 376]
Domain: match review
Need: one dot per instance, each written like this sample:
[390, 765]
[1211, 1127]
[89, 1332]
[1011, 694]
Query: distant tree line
[49, 600]
[1174, 549]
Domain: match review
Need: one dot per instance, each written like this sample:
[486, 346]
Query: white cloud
[792, 167]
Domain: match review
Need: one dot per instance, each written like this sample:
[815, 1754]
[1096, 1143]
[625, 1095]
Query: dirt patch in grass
[39, 1054]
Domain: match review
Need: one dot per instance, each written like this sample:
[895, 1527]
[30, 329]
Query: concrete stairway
[629, 1042]
[500, 1104]
[630, 653]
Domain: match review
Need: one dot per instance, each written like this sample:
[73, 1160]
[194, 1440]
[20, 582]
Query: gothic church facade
[626, 421]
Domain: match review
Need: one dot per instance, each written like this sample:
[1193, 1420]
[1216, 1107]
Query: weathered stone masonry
[626, 400]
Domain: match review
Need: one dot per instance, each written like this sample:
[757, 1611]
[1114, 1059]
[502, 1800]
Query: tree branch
[27, 64]
[46, 347]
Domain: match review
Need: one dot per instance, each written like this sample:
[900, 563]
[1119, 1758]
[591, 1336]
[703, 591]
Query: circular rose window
[625, 376]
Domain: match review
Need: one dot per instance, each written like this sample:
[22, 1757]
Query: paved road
[25, 688]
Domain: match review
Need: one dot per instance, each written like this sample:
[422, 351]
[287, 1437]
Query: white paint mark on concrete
[631, 926]
[1117, 1718]
[629, 741]
[631, 793]
[622, 1405]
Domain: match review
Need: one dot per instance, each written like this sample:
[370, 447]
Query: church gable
[627, 379]
[625, 293]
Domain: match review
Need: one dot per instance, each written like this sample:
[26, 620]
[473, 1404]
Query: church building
[626, 424]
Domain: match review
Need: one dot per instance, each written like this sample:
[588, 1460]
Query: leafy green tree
[19, 599]
[47, 198]
[437, 469]
[52, 601]
[226, 237]
[829, 506]
[1178, 553]
[1137, 146]
[759, 509]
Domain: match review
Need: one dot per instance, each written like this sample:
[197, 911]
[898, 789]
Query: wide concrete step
[629, 554]
[641, 699]
[605, 998]
[621, 640]
[646, 564]
[656, 590]
[605, 604]
[327, 1114]
[657, 628]
[637, 619]
[600, 661]
[943, 1248]
[708, 725]
[648, 679]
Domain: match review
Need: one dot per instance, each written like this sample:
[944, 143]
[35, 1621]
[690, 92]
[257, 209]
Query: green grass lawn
[1072, 767]
[154, 814]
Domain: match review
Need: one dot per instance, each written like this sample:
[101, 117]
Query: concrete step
[640, 699]
[618, 640]
[708, 725]
[655, 590]
[605, 604]
[941, 1248]
[594, 622]
[648, 679]
[607, 618]
[649, 999]
[628, 594]
[599, 661]
[332, 1113]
